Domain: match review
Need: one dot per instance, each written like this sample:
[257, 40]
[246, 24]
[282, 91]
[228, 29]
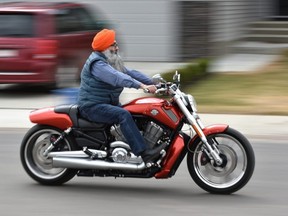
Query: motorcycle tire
[39, 167]
[237, 167]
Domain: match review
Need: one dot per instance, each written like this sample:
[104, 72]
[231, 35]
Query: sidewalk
[263, 127]
[14, 111]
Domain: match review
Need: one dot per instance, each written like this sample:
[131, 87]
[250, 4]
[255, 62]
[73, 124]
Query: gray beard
[115, 60]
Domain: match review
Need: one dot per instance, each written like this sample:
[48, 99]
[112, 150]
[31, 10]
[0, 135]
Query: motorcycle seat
[78, 121]
[64, 108]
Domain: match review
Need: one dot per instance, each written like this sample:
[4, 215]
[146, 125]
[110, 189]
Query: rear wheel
[38, 166]
[236, 169]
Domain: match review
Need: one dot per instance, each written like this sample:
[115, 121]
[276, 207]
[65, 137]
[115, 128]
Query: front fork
[193, 119]
[212, 152]
[210, 148]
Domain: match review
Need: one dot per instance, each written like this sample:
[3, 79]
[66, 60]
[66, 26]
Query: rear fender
[47, 116]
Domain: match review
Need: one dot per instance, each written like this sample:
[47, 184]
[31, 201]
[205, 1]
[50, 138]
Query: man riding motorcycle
[103, 78]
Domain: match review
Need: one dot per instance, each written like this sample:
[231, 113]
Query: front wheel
[38, 166]
[237, 167]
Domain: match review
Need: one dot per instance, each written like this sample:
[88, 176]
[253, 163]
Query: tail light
[46, 49]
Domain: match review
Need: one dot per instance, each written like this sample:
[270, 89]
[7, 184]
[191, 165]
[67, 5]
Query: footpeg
[91, 154]
[157, 164]
[163, 154]
[149, 165]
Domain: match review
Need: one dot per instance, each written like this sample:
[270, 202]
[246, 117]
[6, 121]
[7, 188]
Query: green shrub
[190, 73]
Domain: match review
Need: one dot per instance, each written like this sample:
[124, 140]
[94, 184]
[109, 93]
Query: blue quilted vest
[94, 91]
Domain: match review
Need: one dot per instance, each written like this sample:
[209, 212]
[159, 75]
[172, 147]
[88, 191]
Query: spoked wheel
[234, 172]
[38, 166]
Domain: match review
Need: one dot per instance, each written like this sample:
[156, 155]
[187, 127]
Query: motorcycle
[63, 144]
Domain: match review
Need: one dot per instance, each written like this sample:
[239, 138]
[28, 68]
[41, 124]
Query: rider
[103, 78]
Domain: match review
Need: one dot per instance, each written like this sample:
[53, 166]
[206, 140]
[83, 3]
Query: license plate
[8, 53]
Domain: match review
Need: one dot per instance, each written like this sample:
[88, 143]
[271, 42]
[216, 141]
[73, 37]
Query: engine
[121, 151]
[151, 133]
[124, 155]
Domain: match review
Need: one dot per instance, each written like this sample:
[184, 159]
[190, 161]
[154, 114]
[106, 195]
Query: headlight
[192, 103]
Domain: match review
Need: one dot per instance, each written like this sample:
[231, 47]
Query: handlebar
[146, 90]
[161, 88]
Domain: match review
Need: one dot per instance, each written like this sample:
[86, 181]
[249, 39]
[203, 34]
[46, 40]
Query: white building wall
[232, 16]
[144, 28]
[148, 30]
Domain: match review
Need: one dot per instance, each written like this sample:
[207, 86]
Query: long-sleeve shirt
[102, 84]
[130, 79]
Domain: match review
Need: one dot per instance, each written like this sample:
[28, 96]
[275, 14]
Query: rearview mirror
[157, 78]
[176, 77]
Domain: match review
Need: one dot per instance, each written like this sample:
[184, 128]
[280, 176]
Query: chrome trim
[77, 154]
[45, 56]
[83, 163]
[17, 73]
[120, 144]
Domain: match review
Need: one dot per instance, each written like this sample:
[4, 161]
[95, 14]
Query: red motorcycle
[62, 144]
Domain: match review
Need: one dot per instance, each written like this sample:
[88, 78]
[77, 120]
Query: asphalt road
[265, 194]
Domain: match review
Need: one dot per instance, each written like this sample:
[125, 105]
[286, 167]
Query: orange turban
[103, 40]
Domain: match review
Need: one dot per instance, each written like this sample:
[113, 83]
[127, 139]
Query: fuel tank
[156, 108]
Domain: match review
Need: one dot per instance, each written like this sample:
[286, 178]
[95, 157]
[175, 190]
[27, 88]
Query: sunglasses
[115, 45]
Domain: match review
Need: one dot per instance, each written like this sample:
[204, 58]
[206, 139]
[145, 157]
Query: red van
[45, 43]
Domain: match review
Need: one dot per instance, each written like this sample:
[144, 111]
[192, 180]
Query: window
[84, 18]
[67, 22]
[17, 25]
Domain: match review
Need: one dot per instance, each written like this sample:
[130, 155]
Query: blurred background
[174, 30]
[154, 37]
[231, 55]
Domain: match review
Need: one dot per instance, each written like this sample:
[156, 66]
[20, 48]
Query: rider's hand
[150, 88]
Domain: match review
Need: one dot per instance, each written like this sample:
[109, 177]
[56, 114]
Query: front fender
[211, 129]
[47, 116]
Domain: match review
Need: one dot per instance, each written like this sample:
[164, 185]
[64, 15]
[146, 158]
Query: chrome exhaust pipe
[87, 163]
[77, 154]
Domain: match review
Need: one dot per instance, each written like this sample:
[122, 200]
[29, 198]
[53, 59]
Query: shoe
[150, 155]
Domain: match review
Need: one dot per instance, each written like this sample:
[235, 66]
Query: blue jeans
[109, 114]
